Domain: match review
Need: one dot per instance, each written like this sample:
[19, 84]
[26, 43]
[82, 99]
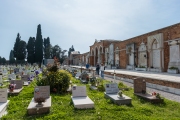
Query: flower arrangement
[39, 100]
[157, 95]
[120, 93]
[12, 87]
[93, 81]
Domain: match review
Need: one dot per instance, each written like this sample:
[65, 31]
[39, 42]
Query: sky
[80, 22]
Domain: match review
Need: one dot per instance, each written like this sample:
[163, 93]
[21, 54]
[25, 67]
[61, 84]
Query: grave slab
[82, 102]
[33, 110]
[117, 100]
[3, 107]
[149, 97]
[15, 91]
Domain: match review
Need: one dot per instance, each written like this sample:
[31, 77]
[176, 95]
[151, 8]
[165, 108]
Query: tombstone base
[84, 81]
[15, 91]
[33, 109]
[3, 107]
[149, 98]
[93, 88]
[124, 100]
[82, 102]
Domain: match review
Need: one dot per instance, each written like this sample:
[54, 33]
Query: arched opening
[155, 54]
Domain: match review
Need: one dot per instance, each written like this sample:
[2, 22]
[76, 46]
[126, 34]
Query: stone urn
[39, 101]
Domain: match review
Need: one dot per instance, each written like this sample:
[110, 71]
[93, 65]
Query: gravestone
[24, 77]
[3, 101]
[1, 80]
[111, 88]
[3, 95]
[18, 87]
[19, 83]
[140, 90]
[40, 92]
[80, 98]
[112, 94]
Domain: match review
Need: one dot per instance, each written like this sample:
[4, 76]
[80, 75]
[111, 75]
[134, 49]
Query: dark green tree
[3, 61]
[62, 56]
[70, 50]
[31, 50]
[39, 46]
[11, 58]
[0, 60]
[55, 51]
[47, 48]
[21, 51]
[18, 39]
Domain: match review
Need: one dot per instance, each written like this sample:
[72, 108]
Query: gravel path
[167, 95]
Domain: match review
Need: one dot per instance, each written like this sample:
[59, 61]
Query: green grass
[62, 108]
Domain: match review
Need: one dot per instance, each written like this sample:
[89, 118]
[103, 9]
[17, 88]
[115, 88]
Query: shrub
[58, 81]
[173, 68]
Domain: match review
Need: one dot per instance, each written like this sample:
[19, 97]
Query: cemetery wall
[169, 33]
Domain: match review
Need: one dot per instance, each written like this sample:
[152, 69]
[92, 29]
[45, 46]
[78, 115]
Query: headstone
[41, 91]
[80, 98]
[3, 102]
[1, 80]
[79, 91]
[3, 95]
[139, 85]
[19, 83]
[111, 88]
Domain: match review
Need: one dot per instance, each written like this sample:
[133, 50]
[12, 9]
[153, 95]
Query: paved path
[166, 95]
[154, 75]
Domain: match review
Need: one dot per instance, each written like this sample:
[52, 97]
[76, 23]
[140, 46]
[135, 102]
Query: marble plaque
[79, 91]
[174, 53]
[42, 91]
[111, 88]
[131, 59]
[156, 58]
[142, 59]
[3, 95]
[18, 83]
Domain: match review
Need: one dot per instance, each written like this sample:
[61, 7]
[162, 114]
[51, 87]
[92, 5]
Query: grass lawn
[62, 108]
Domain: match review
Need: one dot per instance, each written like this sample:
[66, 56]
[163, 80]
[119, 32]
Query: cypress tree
[18, 38]
[31, 50]
[21, 51]
[47, 48]
[11, 57]
[39, 46]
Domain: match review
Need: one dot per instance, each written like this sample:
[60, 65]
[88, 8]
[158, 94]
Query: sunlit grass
[62, 107]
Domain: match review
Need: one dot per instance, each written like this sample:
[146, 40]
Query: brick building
[155, 51]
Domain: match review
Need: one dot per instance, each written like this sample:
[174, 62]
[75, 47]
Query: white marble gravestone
[80, 98]
[3, 101]
[111, 93]
[111, 88]
[40, 92]
[1, 80]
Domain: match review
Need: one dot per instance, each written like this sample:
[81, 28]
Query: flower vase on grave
[120, 94]
[39, 101]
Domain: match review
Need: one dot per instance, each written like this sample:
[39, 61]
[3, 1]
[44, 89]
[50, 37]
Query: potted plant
[173, 70]
[120, 94]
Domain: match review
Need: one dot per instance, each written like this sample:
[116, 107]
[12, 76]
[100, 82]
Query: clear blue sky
[80, 22]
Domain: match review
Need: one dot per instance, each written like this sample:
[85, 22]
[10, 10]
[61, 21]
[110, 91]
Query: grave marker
[111, 88]
[41, 91]
[3, 95]
[19, 83]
